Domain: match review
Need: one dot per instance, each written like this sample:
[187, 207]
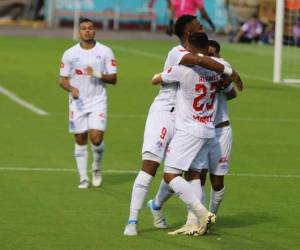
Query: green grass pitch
[45, 210]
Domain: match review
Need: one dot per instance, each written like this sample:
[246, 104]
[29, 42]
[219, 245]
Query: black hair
[199, 40]
[215, 44]
[181, 24]
[85, 20]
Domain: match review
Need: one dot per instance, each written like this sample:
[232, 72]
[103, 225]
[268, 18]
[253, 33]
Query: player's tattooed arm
[107, 78]
[65, 84]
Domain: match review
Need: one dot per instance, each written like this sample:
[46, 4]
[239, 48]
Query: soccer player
[85, 70]
[159, 127]
[219, 154]
[196, 104]
[216, 161]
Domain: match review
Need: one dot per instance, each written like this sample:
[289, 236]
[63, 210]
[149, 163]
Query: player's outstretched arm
[65, 84]
[204, 61]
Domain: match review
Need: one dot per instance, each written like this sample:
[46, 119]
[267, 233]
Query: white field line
[161, 57]
[247, 119]
[140, 53]
[112, 171]
[22, 102]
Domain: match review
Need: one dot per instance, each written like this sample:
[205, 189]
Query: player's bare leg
[217, 192]
[81, 156]
[139, 192]
[96, 137]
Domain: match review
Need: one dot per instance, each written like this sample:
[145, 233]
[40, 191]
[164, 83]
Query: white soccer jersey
[166, 97]
[196, 103]
[91, 89]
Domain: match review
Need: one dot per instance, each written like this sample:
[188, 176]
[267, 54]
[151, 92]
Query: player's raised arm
[211, 64]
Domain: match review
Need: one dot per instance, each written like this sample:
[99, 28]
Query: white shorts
[81, 121]
[184, 148]
[217, 159]
[220, 151]
[159, 130]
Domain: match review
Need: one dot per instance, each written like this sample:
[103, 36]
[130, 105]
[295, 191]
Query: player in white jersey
[85, 70]
[217, 157]
[159, 127]
[219, 154]
[196, 104]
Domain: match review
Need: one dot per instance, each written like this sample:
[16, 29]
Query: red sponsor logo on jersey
[169, 70]
[62, 65]
[113, 62]
[203, 119]
[78, 72]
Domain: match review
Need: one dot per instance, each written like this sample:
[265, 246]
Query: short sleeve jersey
[166, 98]
[74, 63]
[196, 101]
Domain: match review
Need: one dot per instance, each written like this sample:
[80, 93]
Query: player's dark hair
[181, 24]
[85, 20]
[215, 44]
[199, 40]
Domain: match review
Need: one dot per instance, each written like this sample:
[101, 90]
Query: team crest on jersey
[98, 57]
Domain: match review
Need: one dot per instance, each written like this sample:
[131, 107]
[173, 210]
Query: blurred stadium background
[41, 207]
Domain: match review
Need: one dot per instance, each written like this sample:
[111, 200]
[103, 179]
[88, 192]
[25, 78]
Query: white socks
[97, 155]
[139, 192]
[215, 200]
[185, 192]
[81, 156]
[163, 194]
[196, 186]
